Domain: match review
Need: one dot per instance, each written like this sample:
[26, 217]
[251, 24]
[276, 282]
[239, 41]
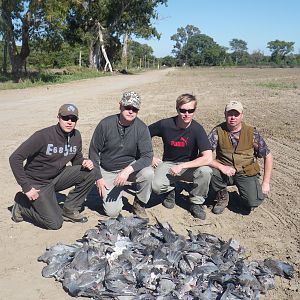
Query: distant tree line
[192, 48]
[100, 35]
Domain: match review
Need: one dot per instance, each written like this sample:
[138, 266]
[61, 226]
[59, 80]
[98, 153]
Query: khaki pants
[112, 202]
[200, 177]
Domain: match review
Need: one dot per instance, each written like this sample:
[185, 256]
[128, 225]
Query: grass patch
[279, 85]
[33, 79]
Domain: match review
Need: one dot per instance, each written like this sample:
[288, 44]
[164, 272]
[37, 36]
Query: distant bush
[50, 76]
[279, 85]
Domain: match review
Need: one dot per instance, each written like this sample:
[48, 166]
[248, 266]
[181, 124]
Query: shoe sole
[218, 211]
[144, 218]
[13, 215]
[140, 215]
[168, 206]
[68, 219]
[199, 217]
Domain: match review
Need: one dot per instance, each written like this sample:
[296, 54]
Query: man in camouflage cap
[131, 99]
[121, 151]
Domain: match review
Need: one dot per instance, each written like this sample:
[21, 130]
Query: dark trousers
[45, 211]
[249, 187]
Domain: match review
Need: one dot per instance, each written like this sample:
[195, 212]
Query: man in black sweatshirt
[47, 152]
[121, 151]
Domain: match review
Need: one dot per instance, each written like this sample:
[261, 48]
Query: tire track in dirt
[285, 178]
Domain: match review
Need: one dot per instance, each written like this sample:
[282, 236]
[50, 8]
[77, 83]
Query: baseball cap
[68, 110]
[236, 105]
[132, 99]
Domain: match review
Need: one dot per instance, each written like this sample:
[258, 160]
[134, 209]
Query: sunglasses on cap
[134, 109]
[67, 118]
[183, 111]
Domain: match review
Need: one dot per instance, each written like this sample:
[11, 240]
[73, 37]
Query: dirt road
[272, 102]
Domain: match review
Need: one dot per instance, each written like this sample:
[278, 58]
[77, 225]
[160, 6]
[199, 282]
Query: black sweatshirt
[46, 153]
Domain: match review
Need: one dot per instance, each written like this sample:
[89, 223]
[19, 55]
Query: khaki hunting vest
[242, 158]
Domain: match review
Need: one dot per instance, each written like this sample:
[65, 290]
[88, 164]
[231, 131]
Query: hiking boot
[73, 216]
[197, 211]
[222, 201]
[169, 201]
[248, 210]
[16, 215]
[138, 208]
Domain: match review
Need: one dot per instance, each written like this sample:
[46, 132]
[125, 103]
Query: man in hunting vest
[237, 147]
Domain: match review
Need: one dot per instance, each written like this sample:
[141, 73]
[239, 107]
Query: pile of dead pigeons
[128, 257]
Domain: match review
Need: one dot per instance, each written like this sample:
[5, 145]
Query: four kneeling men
[121, 153]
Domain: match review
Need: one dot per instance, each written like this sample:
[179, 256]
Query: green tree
[108, 20]
[280, 50]
[201, 49]
[139, 54]
[22, 20]
[138, 21]
[194, 49]
[257, 57]
[168, 61]
[181, 39]
[239, 48]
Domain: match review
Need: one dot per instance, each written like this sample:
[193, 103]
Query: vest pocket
[251, 170]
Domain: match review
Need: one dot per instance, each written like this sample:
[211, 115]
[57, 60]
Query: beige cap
[234, 105]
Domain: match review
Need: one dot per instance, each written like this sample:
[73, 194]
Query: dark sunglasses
[134, 109]
[183, 111]
[67, 118]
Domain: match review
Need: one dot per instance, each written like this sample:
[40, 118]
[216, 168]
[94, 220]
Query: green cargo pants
[248, 186]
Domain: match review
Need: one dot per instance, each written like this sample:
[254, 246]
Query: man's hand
[155, 162]
[265, 187]
[33, 194]
[88, 164]
[228, 170]
[122, 177]
[101, 186]
[175, 170]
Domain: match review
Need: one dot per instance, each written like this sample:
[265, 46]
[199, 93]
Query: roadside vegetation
[49, 76]
[42, 42]
[279, 85]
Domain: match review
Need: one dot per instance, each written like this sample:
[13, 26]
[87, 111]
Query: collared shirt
[260, 147]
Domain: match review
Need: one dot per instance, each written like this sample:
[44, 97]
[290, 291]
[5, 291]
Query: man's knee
[157, 186]
[252, 200]
[112, 212]
[54, 224]
[251, 192]
[203, 173]
[90, 176]
[148, 174]
[113, 209]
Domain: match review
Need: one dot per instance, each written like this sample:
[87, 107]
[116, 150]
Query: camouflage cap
[132, 99]
[234, 105]
[68, 110]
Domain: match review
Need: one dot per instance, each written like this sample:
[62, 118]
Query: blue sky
[257, 22]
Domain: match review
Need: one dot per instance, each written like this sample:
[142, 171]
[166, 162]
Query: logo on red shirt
[180, 144]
